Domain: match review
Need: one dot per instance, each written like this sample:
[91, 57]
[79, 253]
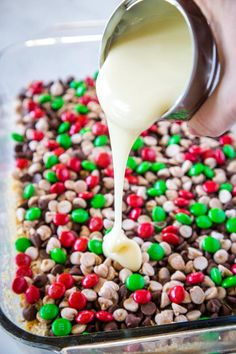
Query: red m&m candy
[177, 294]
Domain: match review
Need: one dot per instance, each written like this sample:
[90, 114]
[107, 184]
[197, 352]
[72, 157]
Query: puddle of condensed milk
[144, 74]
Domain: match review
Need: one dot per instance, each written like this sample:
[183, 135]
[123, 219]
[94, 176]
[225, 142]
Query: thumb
[213, 118]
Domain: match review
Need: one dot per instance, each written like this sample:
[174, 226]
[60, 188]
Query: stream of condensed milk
[145, 72]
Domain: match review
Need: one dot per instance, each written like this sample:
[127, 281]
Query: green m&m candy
[229, 151]
[196, 169]
[49, 312]
[74, 84]
[231, 225]
[226, 186]
[81, 89]
[157, 166]
[63, 127]
[58, 255]
[131, 163]
[198, 209]
[158, 214]
[95, 246]
[156, 252]
[208, 172]
[85, 130]
[183, 219]
[138, 144]
[44, 98]
[216, 275]
[88, 165]
[29, 191]
[61, 327]
[160, 186]
[51, 161]
[51, 176]
[135, 282]
[22, 244]
[203, 222]
[101, 140]
[64, 140]
[17, 137]
[33, 214]
[81, 108]
[175, 139]
[57, 103]
[152, 192]
[98, 201]
[143, 167]
[229, 282]
[217, 215]
[79, 215]
[211, 244]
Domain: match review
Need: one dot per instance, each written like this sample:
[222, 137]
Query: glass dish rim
[57, 344]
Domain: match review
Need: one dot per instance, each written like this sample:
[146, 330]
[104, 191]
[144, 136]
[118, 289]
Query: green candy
[229, 151]
[108, 230]
[74, 84]
[61, 327]
[231, 225]
[158, 214]
[210, 244]
[131, 163]
[98, 201]
[198, 209]
[51, 161]
[64, 140]
[85, 130]
[51, 176]
[157, 166]
[58, 255]
[33, 214]
[203, 222]
[143, 167]
[152, 192]
[63, 127]
[183, 219]
[79, 215]
[95, 246]
[135, 282]
[95, 75]
[156, 252]
[216, 276]
[175, 139]
[81, 89]
[217, 215]
[208, 172]
[101, 140]
[57, 103]
[17, 137]
[196, 169]
[29, 191]
[81, 108]
[88, 165]
[44, 98]
[160, 186]
[48, 312]
[22, 244]
[229, 282]
[138, 144]
[227, 186]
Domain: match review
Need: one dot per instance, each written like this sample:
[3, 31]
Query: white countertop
[21, 19]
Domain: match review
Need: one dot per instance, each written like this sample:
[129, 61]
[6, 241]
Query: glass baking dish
[66, 50]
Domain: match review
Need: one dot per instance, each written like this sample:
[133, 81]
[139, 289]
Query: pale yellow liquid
[144, 74]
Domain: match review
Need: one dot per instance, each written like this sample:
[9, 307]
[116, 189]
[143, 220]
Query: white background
[22, 19]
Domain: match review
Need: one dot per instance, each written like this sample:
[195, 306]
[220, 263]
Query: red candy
[59, 151]
[234, 191]
[210, 187]
[104, 316]
[195, 278]
[171, 228]
[145, 230]
[142, 296]
[22, 163]
[74, 164]
[57, 188]
[103, 160]
[67, 238]
[37, 113]
[51, 144]
[109, 172]
[32, 294]
[135, 201]
[226, 140]
[56, 290]
[219, 156]
[19, 285]
[66, 279]
[75, 128]
[92, 181]
[195, 150]
[81, 244]
[77, 300]
[83, 120]
[190, 157]
[95, 223]
[63, 174]
[171, 238]
[99, 129]
[177, 294]
[181, 202]
[36, 87]
[37, 135]
[183, 211]
[85, 195]
[148, 154]
[90, 82]
[132, 179]
[186, 194]
[85, 316]
[85, 99]
[135, 213]
[61, 219]
[24, 271]
[23, 259]
[90, 280]
[233, 268]
[31, 105]
[68, 117]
